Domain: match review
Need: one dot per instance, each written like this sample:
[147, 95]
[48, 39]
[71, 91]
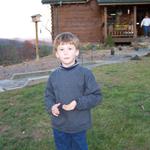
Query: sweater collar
[71, 67]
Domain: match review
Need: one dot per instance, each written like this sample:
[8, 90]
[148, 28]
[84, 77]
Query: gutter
[108, 4]
[60, 2]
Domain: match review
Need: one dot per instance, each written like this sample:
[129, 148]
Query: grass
[121, 122]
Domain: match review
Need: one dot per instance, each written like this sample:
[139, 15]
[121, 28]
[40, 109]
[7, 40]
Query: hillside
[14, 51]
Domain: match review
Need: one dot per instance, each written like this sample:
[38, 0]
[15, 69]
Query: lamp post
[36, 19]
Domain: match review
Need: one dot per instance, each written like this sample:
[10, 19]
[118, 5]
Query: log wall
[84, 20]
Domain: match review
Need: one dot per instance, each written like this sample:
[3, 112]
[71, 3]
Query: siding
[84, 20]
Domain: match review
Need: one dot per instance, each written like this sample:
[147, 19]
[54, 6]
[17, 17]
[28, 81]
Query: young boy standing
[70, 94]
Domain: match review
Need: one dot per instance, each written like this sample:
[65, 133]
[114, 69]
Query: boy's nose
[65, 51]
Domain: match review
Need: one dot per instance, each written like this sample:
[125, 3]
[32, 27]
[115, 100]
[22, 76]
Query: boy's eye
[61, 49]
[70, 48]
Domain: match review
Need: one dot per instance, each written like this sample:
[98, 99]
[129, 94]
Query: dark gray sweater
[67, 84]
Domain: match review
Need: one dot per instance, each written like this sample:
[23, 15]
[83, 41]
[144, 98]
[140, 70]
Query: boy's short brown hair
[65, 37]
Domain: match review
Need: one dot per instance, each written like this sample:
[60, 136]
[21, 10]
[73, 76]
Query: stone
[136, 57]
[112, 51]
[147, 55]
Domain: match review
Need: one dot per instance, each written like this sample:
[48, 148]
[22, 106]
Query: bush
[9, 55]
[45, 50]
[13, 52]
[109, 41]
[91, 46]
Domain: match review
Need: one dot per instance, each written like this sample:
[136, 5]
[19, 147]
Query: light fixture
[128, 11]
[113, 14]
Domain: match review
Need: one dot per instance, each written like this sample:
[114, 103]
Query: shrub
[13, 52]
[45, 50]
[91, 46]
[109, 41]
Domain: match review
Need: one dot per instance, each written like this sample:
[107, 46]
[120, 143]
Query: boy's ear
[56, 54]
[77, 52]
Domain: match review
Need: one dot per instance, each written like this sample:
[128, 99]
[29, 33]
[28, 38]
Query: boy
[70, 94]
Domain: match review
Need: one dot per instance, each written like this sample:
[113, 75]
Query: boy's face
[67, 54]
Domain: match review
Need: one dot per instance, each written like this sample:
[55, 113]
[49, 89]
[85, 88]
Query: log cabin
[94, 20]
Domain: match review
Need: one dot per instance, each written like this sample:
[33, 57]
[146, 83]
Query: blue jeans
[70, 141]
[146, 30]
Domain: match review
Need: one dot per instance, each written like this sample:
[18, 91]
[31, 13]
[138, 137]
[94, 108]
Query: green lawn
[121, 122]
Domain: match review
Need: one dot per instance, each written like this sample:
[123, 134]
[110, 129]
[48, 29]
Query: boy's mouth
[66, 58]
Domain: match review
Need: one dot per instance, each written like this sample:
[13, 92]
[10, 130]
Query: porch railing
[121, 31]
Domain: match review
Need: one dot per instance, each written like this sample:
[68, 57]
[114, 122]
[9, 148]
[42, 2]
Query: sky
[16, 22]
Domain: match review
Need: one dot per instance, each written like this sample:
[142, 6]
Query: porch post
[105, 23]
[135, 20]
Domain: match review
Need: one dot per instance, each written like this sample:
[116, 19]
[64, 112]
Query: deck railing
[121, 31]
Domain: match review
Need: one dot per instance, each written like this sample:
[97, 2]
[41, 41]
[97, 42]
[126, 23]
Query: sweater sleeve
[49, 96]
[92, 95]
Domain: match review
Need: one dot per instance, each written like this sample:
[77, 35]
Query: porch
[122, 22]
[121, 33]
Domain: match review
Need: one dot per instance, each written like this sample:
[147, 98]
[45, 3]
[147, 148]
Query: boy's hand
[55, 109]
[70, 106]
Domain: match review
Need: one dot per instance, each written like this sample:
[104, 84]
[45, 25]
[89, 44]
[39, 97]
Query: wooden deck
[123, 39]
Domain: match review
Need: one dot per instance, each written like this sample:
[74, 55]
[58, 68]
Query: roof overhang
[122, 2]
[56, 2]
